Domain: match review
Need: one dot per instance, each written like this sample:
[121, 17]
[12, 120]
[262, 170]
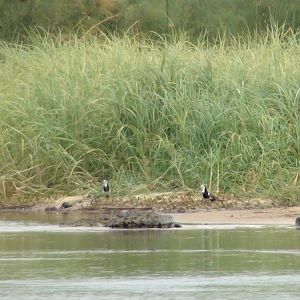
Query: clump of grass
[151, 114]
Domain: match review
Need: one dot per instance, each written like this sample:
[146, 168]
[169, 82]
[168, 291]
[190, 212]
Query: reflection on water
[40, 260]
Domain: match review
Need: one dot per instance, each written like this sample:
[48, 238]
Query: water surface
[40, 260]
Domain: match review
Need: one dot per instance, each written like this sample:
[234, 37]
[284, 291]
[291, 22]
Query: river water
[41, 260]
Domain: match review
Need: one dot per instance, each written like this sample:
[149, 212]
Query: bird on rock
[206, 194]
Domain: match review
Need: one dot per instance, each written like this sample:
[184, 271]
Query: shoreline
[262, 216]
[185, 208]
[257, 216]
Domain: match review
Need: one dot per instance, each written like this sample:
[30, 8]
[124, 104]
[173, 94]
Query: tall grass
[161, 16]
[151, 114]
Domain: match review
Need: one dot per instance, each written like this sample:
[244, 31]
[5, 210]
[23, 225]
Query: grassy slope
[155, 114]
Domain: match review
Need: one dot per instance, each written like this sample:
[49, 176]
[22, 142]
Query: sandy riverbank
[269, 216]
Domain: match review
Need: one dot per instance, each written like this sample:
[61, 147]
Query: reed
[151, 115]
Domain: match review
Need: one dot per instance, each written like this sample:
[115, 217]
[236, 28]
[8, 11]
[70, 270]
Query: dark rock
[135, 219]
[297, 221]
[128, 218]
[66, 205]
[50, 208]
[177, 225]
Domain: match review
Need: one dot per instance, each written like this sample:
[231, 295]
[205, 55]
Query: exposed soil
[168, 202]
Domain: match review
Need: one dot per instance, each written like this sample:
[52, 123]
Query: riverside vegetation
[160, 16]
[151, 115]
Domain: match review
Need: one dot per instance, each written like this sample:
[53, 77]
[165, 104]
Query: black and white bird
[105, 186]
[206, 194]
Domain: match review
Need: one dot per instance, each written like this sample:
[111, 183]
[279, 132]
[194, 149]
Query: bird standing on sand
[206, 194]
[105, 186]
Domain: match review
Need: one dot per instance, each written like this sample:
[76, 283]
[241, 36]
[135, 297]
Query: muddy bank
[170, 202]
[184, 207]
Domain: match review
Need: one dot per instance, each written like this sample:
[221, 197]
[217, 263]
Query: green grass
[161, 16]
[152, 115]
